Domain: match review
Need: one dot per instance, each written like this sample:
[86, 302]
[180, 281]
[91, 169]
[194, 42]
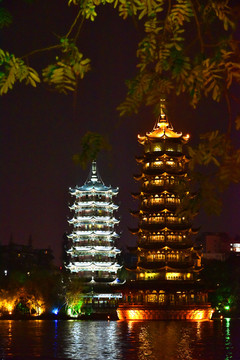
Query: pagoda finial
[162, 115]
[94, 176]
[162, 119]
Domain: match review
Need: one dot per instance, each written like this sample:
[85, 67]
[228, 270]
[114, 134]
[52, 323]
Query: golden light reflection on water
[10, 337]
[145, 348]
[121, 340]
[167, 340]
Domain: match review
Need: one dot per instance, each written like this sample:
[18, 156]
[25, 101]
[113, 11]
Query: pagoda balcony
[158, 245]
[95, 213]
[92, 221]
[86, 229]
[92, 200]
[92, 266]
[93, 234]
[155, 207]
[162, 155]
[96, 250]
[84, 260]
[161, 185]
[175, 265]
[92, 243]
[158, 226]
[171, 170]
[89, 206]
[162, 200]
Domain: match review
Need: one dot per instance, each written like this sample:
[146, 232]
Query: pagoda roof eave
[171, 246]
[138, 177]
[135, 195]
[164, 285]
[166, 267]
[162, 133]
[94, 187]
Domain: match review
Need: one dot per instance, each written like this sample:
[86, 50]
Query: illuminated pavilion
[167, 282]
[92, 254]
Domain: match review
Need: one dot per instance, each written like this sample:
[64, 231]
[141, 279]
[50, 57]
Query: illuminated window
[170, 163]
[150, 257]
[157, 163]
[161, 297]
[157, 182]
[173, 256]
[152, 298]
[171, 199]
[151, 276]
[156, 219]
[174, 276]
[157, 148]
[157, 238]
[160, 256]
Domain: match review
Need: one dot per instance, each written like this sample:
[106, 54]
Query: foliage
[222, 279]
[31, 293]
[187, 47]
[74, 295]
[65, 72]
[91, 144]
[14, 69]
[214, 164]
[5, 17]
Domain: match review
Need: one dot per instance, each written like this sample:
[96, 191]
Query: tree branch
[198, 27]
[73, 24]
[226, 95]
[41, 50]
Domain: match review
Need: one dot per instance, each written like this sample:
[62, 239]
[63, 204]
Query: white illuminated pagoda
[92, 254]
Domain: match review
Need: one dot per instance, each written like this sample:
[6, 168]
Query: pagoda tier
[92, 253]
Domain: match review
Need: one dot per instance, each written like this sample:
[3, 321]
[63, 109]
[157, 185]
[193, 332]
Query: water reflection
[111, 340]
[91, 340]
[228, 344]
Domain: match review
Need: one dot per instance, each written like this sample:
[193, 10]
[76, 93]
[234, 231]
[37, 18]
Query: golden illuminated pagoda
[167, 282]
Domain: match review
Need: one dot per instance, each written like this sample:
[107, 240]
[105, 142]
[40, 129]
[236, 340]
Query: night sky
[41, 129]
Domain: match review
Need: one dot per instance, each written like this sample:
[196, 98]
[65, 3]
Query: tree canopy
[188, 47]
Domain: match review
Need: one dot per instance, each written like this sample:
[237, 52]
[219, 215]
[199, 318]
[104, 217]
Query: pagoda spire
[94, 176]
[162, 120]
[162, 115]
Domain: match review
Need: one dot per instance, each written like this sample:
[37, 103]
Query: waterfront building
[215, 245]
[168, 265]
[235, 245]
[92, 252]
[24, 258]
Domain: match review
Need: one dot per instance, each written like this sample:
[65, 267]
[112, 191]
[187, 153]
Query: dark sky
[41, 130]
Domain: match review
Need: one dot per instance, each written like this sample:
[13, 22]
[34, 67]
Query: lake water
[118, 340]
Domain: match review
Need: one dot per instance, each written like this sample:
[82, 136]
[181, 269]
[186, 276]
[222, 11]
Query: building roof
[94, 182]
[162, 130]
